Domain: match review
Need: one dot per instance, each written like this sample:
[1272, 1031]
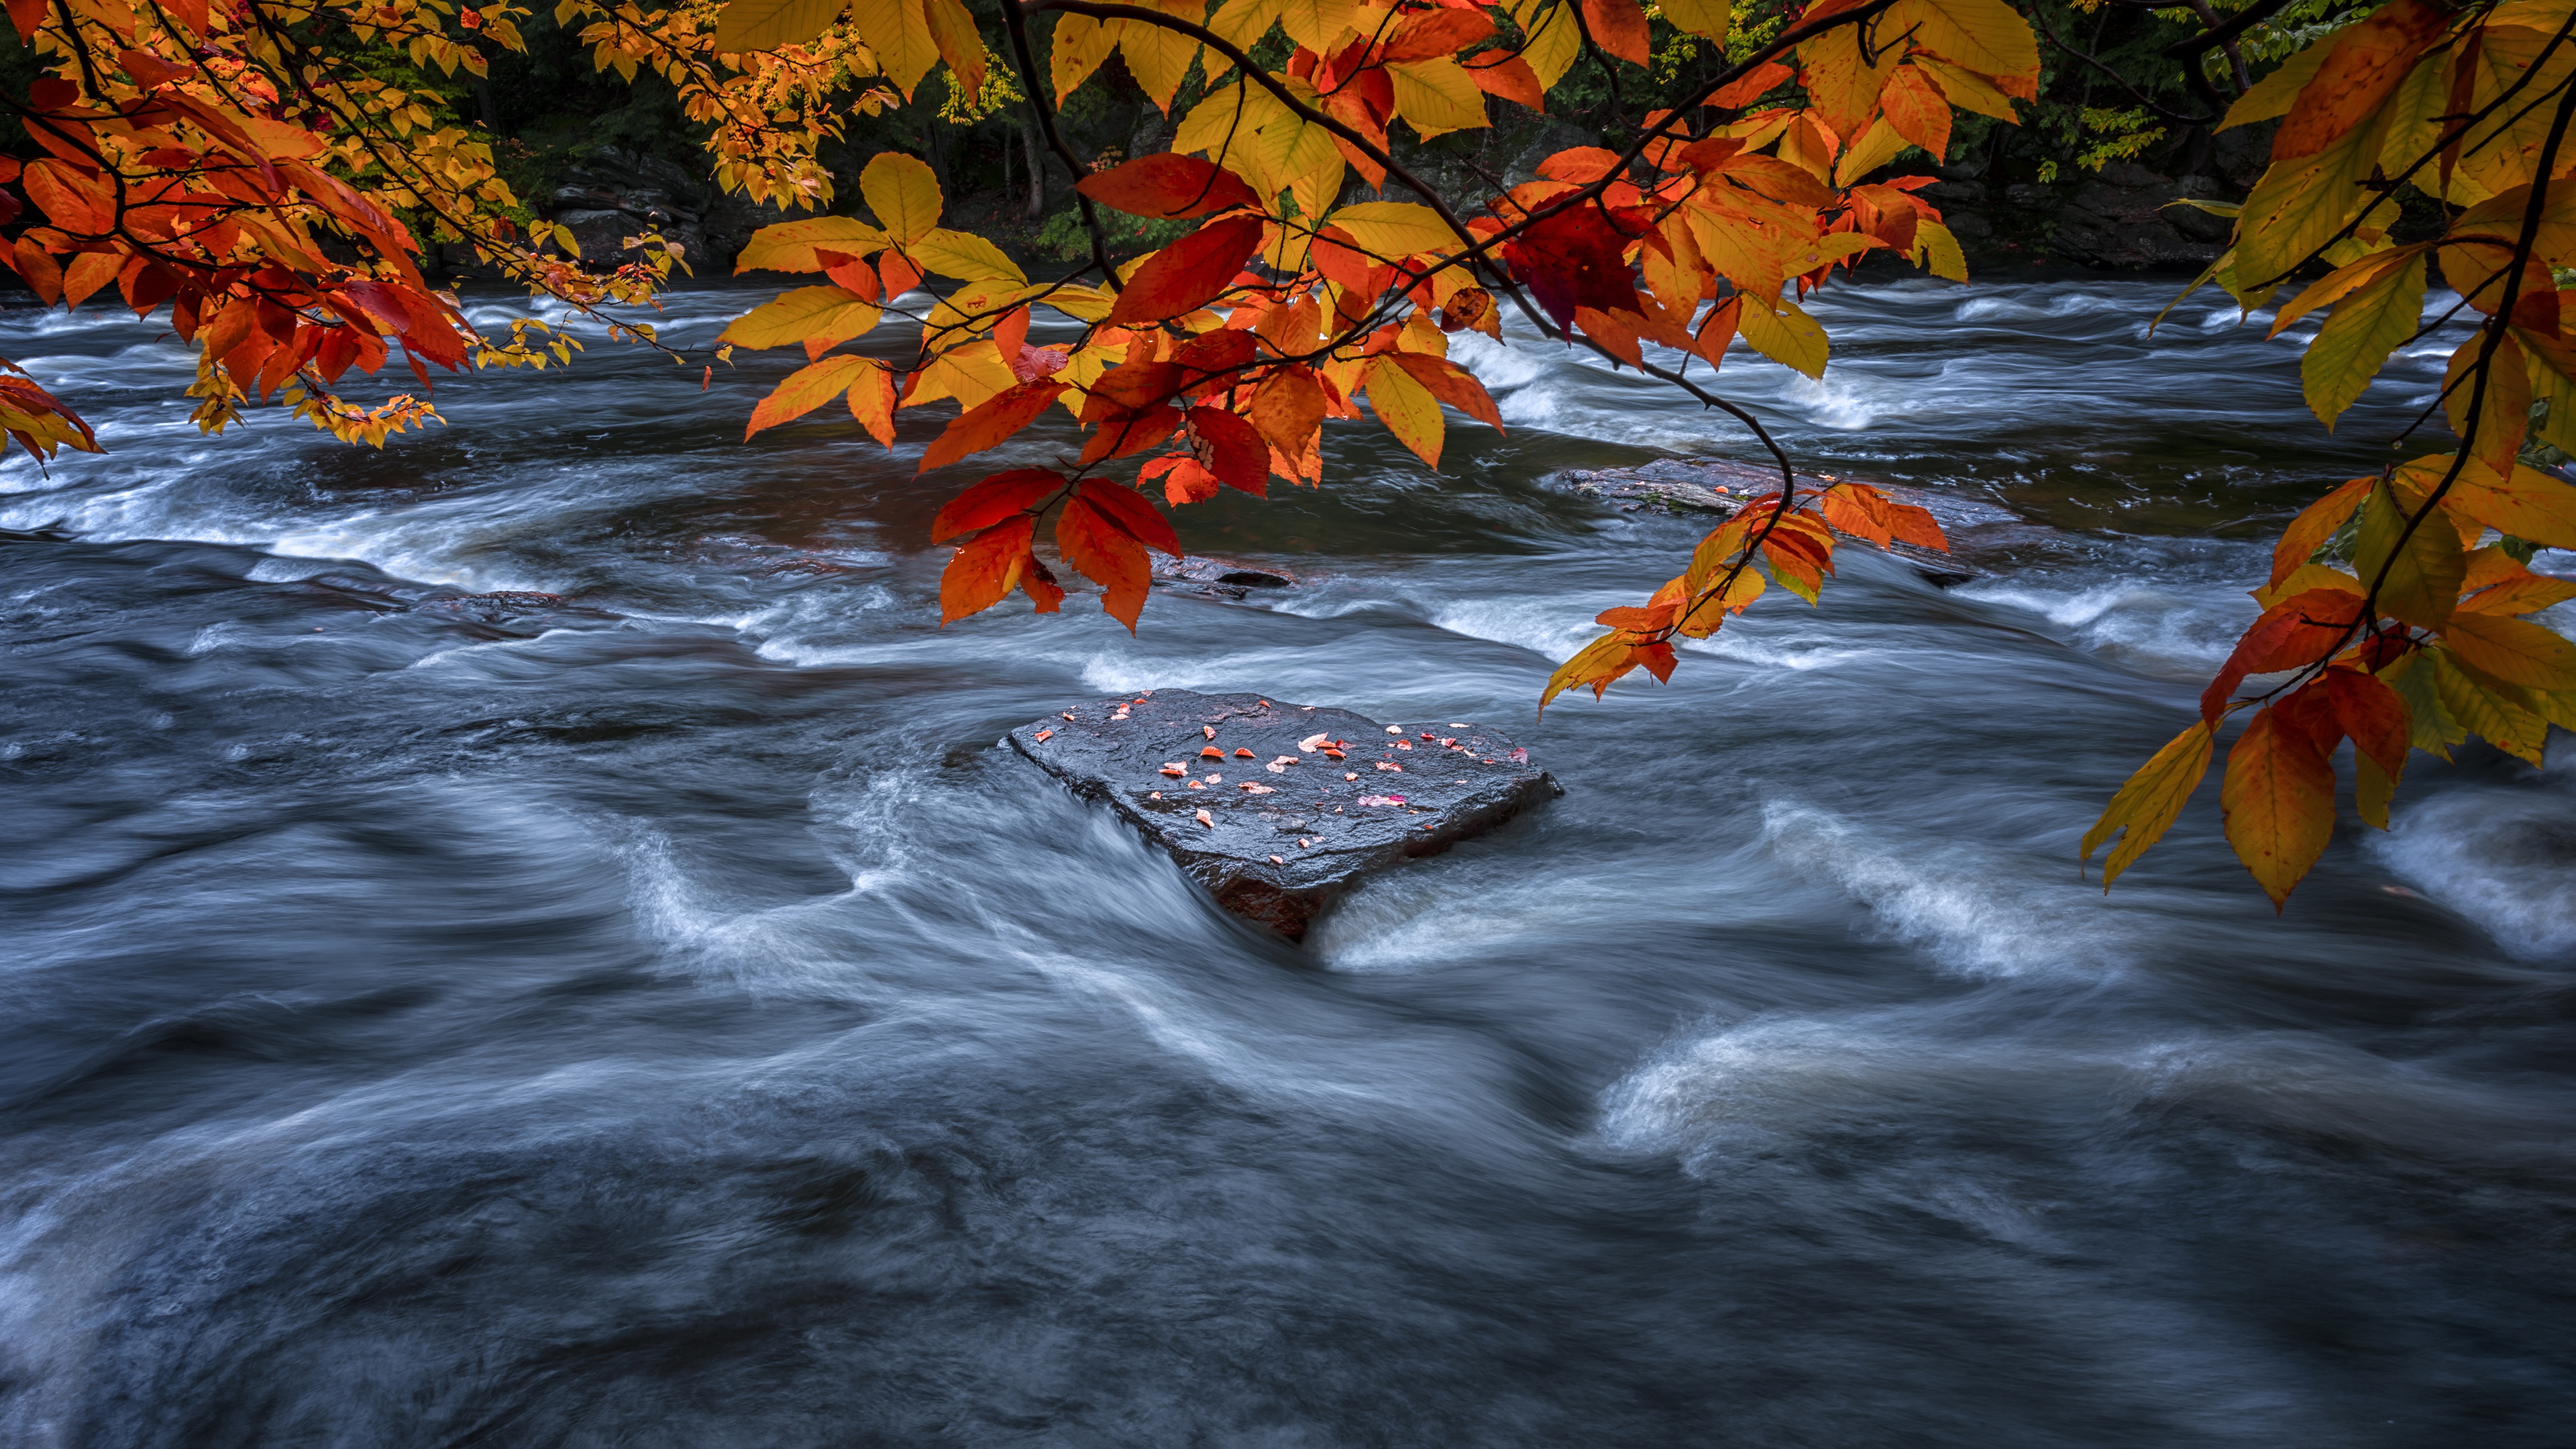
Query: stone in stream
[1297, 800]
[1692, 485]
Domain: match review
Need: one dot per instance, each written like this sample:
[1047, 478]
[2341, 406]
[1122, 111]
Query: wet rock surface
[1720, 486]
[1219, 578]
[1297, 802]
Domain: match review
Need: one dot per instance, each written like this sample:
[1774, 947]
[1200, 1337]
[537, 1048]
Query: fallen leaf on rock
[1313, 742]
[1195, 785]
[1153, 794]
[1276, 768]
[1250, 788]
[1390, 765]
[1207, 820]
[1395, 729]
[1381, 799]
[1448, 741]
[1208, 730]
[1216, 779]
[1350, 777]
[1333, 755]
[1045, 735]
[1404, 744]
[1211, 753]
[1457, 724]
[1274, 860]
[1242, 754]
[1174, 769]
[1520, 756]
[1068, 714]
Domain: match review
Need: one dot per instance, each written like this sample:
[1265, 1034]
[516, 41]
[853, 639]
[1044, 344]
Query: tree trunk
[1037, 168]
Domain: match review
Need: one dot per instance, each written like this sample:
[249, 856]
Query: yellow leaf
[1985, 36]
[2151, 800]
[963, 255]
[2373, 320]
[2503, 401]
[2528, 505]
[1966, 89]
[970, 374]
[768, 24]
[2512, 650]
[806, 389]
[2419, 581]
[2298, 204]
[904, 194]
[1789, 336]
[953, 35]
[2279, 801]
[1936, 249]
[1315, 24]
[789, 246]
[1876, 147]
[899, 32]
[1224, 124]
[825, 314]
[2487, 707]
[1244, 23]
[1407, 408]
[1395, 229]
[1080, 45]
[1555, 39]
[2273, 95]
[1842, 82]
[1699, 17]
[1437, 96]
[2303, 578]
[1160, 59]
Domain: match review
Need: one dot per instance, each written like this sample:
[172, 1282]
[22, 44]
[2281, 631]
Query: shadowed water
[661, 1016]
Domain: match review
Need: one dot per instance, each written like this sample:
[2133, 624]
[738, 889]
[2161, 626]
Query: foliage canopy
[257, 168]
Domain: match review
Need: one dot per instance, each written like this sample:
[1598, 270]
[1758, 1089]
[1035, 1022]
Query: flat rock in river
[1273, 822]
[1720, 486]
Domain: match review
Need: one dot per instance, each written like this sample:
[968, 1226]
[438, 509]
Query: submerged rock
[1720, 486]
[1220, 578]
[1295, 802]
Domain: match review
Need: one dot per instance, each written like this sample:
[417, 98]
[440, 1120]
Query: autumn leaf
[809, 314]
[768, 24]
[2152, 799]
[2511, 650]
[989, 423]
[1573, 259]
[1098, 549]
[2299, 630]
[1188, 274]
[994, 499]
[2417, 573]
[1166, 186]
[1407, 408]
[2278, 799]
[1287, 408]
[2361, 67]
[808, 388]
[904, 194]
[985, 569]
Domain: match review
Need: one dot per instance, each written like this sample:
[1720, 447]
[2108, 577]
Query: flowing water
[660, 1015]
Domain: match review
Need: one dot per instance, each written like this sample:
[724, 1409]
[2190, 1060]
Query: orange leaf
[1917, 110]
[1288, 408]
[808, 388]
[1130, 512]
[1424, 34]
[984, 569]
[1501, 73]
[989, 423]
[1619, 27]
[2357, 77]
[2279, 802]
[1190, 273]
[2299, 630]
[994, 499]
[1232, 450]
[2315, 524]
[1451, 384]
[1164, 186]
[1102, 551]
[872, 403]
[1755, 84]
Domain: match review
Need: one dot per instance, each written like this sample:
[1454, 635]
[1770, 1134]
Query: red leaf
[2296, 631]
[1184, 481]
[1125, 433]
[1231, 449]
[984, 569]
[1105, 553]
[1128, 509]
[1165, 186]
[994, 499]
[1572, 259]
[2278, 798]
[2375, 715]
[1212, 355]
[1424, 34]
[1188, 274]
[989, 423]
[1288, 408]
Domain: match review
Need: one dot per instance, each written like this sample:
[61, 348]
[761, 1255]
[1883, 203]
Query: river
[660, 1015]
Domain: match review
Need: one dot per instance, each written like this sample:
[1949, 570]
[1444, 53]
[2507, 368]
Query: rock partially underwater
[1720, 486]
[1277, 808]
